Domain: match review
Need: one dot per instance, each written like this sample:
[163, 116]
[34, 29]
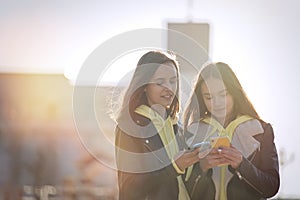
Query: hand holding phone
[202, 145]
[204, 148]
[218, 143]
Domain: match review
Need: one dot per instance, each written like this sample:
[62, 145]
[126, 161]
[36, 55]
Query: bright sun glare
[119, 70]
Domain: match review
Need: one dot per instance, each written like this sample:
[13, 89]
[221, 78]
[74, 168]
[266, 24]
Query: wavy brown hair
[145, 69]
[196, 108]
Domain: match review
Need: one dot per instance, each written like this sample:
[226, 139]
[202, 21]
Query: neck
[160, 110]
[224, 121]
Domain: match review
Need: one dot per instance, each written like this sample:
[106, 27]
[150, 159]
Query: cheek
[229, 103]
[207, 104]
[174, 87]
[152, 91]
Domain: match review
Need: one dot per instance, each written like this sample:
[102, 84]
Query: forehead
[213, 85]
[165, 70]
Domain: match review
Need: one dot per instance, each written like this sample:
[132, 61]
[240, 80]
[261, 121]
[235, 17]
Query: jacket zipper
[195, 183]
[242, 178]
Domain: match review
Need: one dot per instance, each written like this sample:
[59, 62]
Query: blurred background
[43, 45]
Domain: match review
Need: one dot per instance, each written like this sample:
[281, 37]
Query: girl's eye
[208, 97]
[159, 83]
[172, 81]
[223, 94]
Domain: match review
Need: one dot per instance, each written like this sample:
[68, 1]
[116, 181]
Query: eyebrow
[162, 78]
[157, 79]
[225, 90]
[207, 93]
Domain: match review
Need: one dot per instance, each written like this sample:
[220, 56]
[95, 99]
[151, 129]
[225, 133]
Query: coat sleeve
[200, 185]
[261, 170]
[138, 184]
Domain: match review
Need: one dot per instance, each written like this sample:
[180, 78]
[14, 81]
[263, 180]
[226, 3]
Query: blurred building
[39, 144]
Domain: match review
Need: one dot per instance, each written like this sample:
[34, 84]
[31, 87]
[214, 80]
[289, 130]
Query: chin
[220, 117]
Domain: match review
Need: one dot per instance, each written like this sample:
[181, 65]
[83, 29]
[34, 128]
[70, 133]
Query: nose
[218, 102]
[170, 86]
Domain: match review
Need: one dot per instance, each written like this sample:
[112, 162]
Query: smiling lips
[168, 97]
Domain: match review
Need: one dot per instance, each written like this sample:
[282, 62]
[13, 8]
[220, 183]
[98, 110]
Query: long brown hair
[135, 95]
[196, 108]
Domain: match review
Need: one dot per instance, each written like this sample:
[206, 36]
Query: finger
[191, 157]
[234, 158]
[192, 160]
[217, 162]
[193, 153]
[202, 154]
[231, 153]
[217, 151]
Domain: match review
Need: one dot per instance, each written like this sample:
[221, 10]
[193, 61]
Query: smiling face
[217, 99]
[163, 86]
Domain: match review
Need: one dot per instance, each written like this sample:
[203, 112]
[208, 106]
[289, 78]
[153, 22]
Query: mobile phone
[217, 142]
[202, 145]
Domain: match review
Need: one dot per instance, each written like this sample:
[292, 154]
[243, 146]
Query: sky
[259, 39]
